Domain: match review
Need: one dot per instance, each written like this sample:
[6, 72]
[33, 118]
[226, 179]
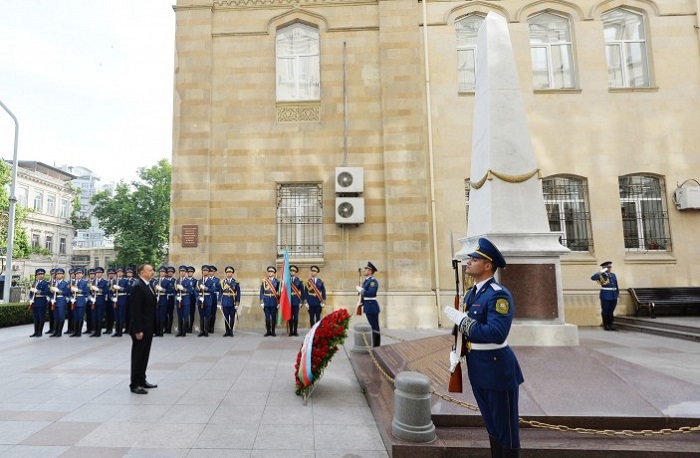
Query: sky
[90, 83]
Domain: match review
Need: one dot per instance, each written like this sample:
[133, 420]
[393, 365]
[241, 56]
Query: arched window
[298, 63]
[644, 214]
[626, 48]
[551, 51]
[566, 199]
[467, 30]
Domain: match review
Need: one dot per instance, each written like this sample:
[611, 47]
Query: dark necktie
[472, 296]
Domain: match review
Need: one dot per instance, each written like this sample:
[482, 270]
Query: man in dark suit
[142, 305]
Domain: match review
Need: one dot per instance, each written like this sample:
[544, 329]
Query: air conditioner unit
[349, 210]
[349, 180]
[688, 198]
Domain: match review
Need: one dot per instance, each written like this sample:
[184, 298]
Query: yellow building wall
[230, 152]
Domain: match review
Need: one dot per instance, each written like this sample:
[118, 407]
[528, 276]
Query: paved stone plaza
[229, 397]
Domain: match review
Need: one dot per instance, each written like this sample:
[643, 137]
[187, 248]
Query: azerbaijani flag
[286, 290]
[305, 374]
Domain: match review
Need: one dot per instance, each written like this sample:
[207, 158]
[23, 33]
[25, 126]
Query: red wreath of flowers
[330, 333]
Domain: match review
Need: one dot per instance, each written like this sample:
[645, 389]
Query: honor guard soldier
[609, 293]
[110, 300]
[269, 300]
[368, 299]
[193, 297]
[121, 288]
[38, 300]
[298, 296]
[170, 295]
[60, 294]
[81, 292]
[160, 286]
[70, 306]
[214, 298]
[230, 299]
[50, 304]
[131, 279]
[100, 293]
[90, 301]
[204, 285]
[494, 372]
[183, 288]
[315, 296]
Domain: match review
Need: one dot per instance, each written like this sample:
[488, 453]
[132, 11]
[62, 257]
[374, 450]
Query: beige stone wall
[230, 152]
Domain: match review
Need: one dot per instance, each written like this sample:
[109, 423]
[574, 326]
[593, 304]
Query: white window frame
[51, 205]
[298, 72]
[648, 214]
[65, 208]
[557, 46]
[466, 29]
[62, 245]
[38, 203]
[619, 76]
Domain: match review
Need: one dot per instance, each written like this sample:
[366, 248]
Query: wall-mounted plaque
[190, 235]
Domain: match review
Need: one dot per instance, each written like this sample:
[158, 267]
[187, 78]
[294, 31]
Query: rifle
[455, 385]
[361, 301]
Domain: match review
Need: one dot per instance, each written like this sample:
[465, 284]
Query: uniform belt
[205, 294]
[487, 346]
[38, 295]
[228, 294]
[370, 298]
[123, 294]
[79, 295]
[270, 295]
[608, 289]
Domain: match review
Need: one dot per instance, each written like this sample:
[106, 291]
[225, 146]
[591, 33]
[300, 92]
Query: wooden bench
[653, 298]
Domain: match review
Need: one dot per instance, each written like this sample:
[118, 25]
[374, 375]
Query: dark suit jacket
[143, 308]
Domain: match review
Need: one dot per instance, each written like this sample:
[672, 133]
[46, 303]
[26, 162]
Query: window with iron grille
[566, 200]
[644, 213]
[300, 220]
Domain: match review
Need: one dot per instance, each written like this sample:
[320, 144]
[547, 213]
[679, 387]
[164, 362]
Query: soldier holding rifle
[493, 369]
[230, 299]
[368, 301]
[38, 298]
[100, 292]
[315, 296]
[269, 300]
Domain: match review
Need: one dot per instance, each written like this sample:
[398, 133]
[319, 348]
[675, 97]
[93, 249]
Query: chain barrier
[535, 423]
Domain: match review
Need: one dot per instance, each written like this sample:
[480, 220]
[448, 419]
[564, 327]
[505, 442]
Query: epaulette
[496, 287]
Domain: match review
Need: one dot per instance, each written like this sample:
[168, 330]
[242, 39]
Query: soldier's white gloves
[454, 360]
[262, 305]
[118, 288]
[236, 307]
[359, 289]
[54, 289]
[323, 304]
[75, 289]
[94, 288]
[455, 315]
[602, 271]
[160, 288]
[307, 306]
[178, 298]
[200, 299]
[204, 288]
[180, 288]
[34, 290]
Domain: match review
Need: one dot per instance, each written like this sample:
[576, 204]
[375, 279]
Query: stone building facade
[270, 97]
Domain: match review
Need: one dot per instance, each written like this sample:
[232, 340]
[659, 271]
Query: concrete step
[539, 443]
[660, 329]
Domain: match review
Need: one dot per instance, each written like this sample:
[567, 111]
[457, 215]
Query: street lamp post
[11, 213]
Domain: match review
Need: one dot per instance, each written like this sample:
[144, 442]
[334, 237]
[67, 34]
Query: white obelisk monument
[506, 204]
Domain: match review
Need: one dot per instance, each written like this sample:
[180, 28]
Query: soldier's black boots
[36, 331]
[77, 329]
[203, 328]
[168, 325]
[117, 329]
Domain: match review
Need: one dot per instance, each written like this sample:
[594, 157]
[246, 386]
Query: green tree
[138, 216]
[20, 247]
